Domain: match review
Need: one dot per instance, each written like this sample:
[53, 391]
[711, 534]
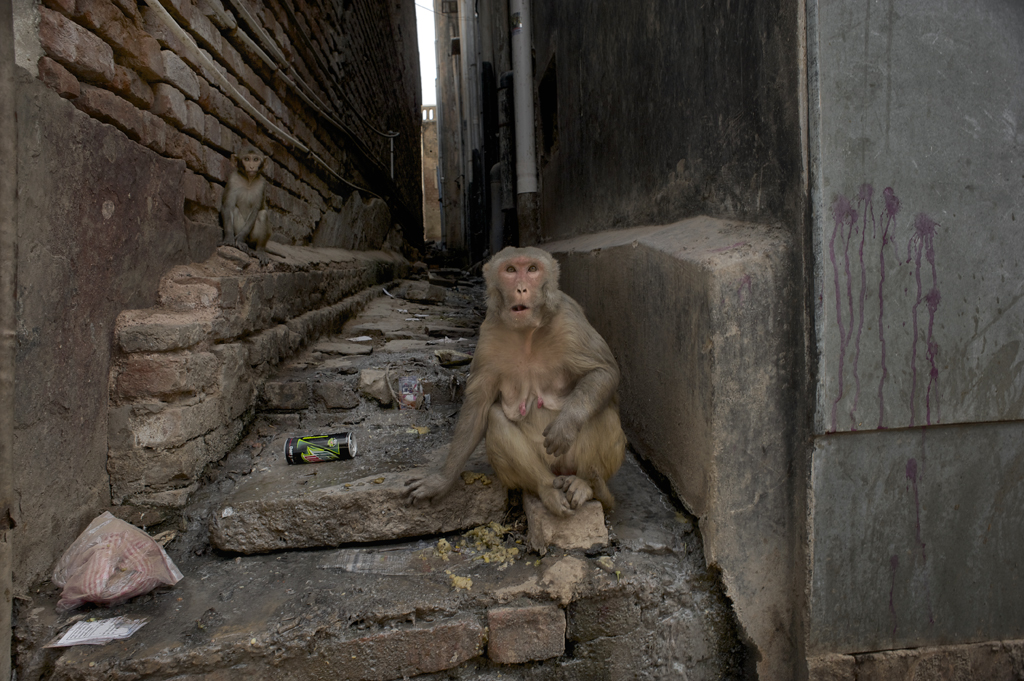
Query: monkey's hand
[560, 435]
[421, 490]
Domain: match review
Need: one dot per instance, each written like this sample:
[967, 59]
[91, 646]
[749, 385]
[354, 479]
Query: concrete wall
[667, 110]
[917, 182]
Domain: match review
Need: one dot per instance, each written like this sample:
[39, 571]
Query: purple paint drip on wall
[851, 221]
[892, 208]
[894, 563]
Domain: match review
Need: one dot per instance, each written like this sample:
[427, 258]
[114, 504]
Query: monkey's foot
[555, 501]
[577, 490]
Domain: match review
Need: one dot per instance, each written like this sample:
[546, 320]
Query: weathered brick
[195, 124]
[409, 651]
[155, 27]
[217, 165]
[583, 530]
[165, 375]
[197, 190]
[66, 7]
[178, 74]
[237, 388]
[592, 618]
[205, 31]
[176, 425]
[169, 104]
[58, 78]
[129, 85]
[215, 12]
[180, 10]
[285, 395]
[130, 9]
[523, 634]
[212, 133]
[136, 49]
[139, 331]
[336, 395]
[109, 108]
[189, 149]
[74, 47]
[154, 132]
[214, 102]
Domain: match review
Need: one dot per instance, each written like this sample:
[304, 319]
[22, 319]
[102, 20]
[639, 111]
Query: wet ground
[645, 606]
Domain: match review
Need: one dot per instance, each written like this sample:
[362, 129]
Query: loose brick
[592, 618]
[195, 125]
[109, 108]
[129, 85]
[78, 50]
[169, 104]
[523, 634]
[136, 49]
[212, 133]
[178, 74]
[205, 31]
[138, 331]
[58, 78]
[174, 426]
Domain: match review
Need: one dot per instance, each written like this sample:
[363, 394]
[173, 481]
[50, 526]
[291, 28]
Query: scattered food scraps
[469, 477]
[443, 549]
[460, 582]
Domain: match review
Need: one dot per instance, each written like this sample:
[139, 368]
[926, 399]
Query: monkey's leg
[597, 453]
[517, 455]
[260, 235]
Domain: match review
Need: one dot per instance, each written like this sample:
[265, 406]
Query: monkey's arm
[594, 362]
[469, 430]
[591, 395]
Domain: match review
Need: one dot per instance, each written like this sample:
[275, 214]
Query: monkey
[542, 393]
[243, 211]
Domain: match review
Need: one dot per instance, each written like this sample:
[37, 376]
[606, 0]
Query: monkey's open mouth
[519, 308]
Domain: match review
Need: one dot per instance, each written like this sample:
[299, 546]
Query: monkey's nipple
[522, 409]
[540, 402]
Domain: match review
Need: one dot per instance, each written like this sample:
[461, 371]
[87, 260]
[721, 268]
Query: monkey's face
[251, 164]
[521, 281]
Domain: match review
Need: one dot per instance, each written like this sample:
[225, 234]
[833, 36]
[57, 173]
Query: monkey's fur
[243, 212]
[542, 388]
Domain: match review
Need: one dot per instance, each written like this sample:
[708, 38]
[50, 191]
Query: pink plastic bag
[110, 562]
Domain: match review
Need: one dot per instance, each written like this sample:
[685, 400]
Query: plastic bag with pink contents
[110, 562]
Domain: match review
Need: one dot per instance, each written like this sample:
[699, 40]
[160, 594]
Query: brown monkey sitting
[243, 212]
[542, 388]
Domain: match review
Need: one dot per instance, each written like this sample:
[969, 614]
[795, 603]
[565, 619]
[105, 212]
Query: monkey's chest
[523, 393]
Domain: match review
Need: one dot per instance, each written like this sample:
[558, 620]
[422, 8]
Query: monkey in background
[243, 212]
[542, 389]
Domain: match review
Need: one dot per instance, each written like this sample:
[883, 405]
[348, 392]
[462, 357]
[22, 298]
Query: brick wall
[328, 76]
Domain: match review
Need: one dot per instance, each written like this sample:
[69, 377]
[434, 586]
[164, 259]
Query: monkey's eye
[533, 268]
[510, 269]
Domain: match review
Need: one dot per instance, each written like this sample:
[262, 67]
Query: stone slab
[403, 345]
[343, 348]
[711, 306]
[583, 529]
[285, 508]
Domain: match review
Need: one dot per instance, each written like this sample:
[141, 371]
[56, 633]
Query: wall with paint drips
[917, 186]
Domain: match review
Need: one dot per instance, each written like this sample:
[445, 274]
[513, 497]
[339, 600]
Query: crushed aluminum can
[320, 448]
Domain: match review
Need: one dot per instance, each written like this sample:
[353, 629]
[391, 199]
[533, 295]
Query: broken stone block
[285, 395]
[343, 348]
[518, 635]
[449, 331]
[336, 395]
[373, 384]
[274, 511]
[583, 529]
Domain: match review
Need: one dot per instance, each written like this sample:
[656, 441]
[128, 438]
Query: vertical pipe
[8, 265]
[522, 86]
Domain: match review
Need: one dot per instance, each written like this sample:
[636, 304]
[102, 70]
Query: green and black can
[320, 448]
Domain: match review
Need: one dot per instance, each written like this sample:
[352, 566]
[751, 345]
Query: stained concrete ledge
[701, 316]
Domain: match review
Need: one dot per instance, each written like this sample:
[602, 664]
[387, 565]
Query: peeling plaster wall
[917, 192]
